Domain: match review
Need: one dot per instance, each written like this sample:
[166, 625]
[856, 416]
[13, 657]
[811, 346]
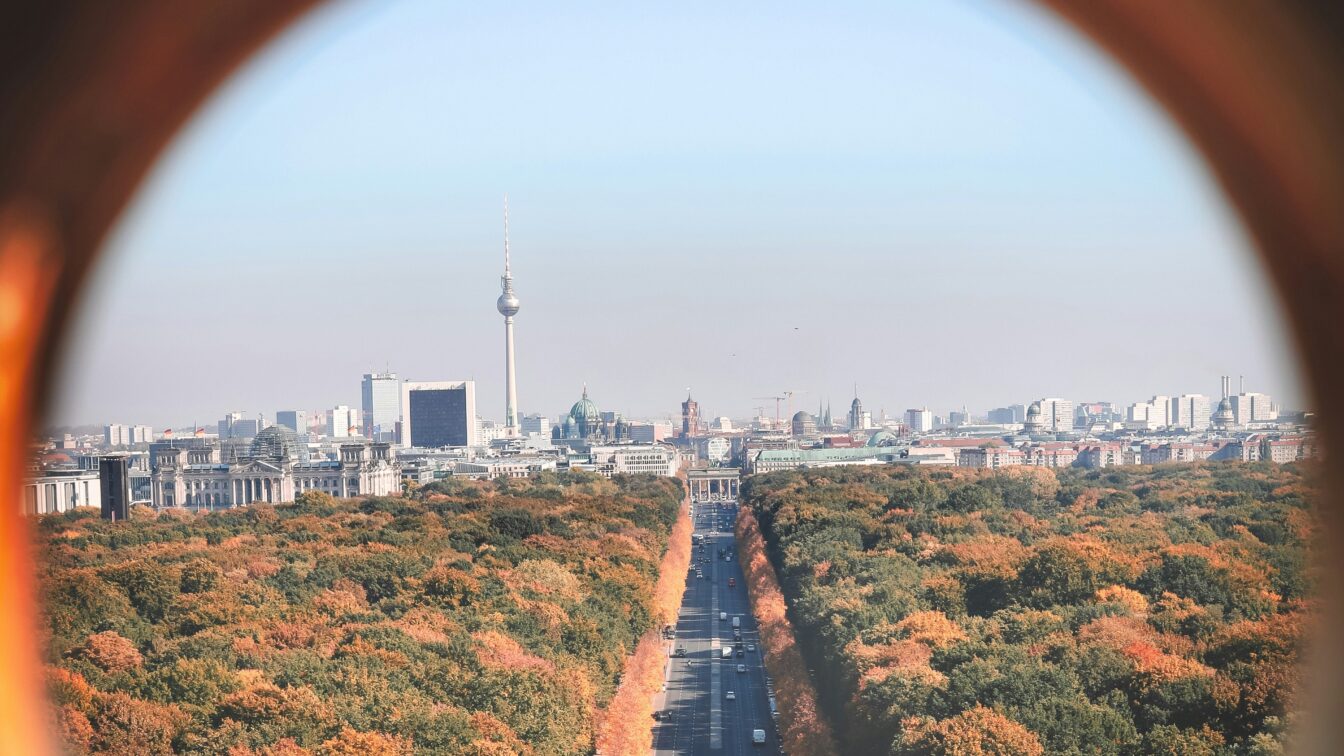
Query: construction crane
[786, 396]
[777, 399]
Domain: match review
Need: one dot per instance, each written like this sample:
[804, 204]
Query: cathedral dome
[584, 410]
[277, 443]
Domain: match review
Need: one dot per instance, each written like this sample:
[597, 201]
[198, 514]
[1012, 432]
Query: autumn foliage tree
[803, 728]
[1134, 610]
[469, 618]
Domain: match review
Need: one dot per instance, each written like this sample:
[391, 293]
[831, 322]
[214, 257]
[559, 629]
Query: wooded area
[474, 618]
[1156, 610]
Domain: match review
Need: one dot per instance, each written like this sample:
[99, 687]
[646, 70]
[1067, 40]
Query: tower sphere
[507, 304]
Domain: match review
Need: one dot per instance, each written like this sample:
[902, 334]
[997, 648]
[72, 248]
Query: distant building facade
[539, 425]
[196, 477]
[919, 420]
[116, 435]
[1250, 407]
[690, 417]
[295, 420]
[803, 424]
[1056, 415]
[114, 478]
[635, 459]
[650, 433]
[53, 491]
[1192, 412]
[438, 413]
[380, 400]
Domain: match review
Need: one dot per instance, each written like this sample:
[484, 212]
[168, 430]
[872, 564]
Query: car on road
[739, 653]
[758, 737]
[680, 652]
[751, 646]
[732, 582]
[741, 668]
[731, 696]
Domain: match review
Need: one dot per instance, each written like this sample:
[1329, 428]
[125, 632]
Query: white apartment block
[116, 435]
[1150, 415]
[1251, 407]
[339, 421]
[1057, 414]
[919, 420]
[1191, 411]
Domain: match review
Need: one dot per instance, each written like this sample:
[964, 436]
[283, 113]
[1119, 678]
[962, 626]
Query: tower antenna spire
[507, 304]
[507, 272]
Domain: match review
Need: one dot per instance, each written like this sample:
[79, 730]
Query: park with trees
[1138, 610]
[490, 617]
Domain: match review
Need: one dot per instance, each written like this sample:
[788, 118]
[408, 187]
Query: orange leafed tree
[975, 732]
[626, 726]
[803, 729]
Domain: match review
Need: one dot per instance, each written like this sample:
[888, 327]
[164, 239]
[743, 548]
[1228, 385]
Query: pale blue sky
[948, 203]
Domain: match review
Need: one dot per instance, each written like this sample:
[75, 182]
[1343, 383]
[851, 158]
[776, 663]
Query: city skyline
[891, 411]
[1071, 246]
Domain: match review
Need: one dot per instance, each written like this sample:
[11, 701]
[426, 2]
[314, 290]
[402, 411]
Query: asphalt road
[696, 715]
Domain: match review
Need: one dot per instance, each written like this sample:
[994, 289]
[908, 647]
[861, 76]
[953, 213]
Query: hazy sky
[946, 203]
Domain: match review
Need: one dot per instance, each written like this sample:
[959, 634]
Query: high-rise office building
[340, 420]
[507, 304]
[381, 402]
[919, 420]
[141, 434]
[438, 413]
[226, 425]
[295, 420]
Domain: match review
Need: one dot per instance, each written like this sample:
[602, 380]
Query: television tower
[508, 307]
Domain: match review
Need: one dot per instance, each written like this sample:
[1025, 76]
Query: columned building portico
[713, 484]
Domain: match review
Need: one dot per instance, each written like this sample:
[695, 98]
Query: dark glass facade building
[114, 477]
[440, 414]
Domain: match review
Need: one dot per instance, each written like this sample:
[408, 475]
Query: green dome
[584, 410]
[882, 438]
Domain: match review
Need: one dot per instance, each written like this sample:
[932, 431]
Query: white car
[741, 668]
[731, 696]
[751, 646]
